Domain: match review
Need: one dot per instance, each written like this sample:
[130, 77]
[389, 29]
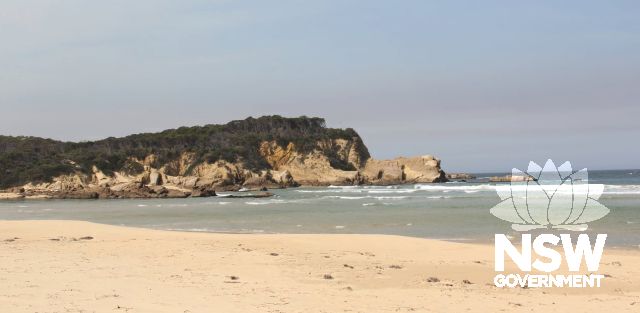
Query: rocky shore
[510, 178]
[289, 169]
[461, 177]
[264, 153]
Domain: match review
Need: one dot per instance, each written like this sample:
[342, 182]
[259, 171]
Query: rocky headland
[252, 154]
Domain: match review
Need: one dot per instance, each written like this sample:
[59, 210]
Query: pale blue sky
[484, 85]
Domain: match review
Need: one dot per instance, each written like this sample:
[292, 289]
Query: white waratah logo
[549, 197]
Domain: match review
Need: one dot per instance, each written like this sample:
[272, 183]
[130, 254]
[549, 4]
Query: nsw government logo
[557, 202]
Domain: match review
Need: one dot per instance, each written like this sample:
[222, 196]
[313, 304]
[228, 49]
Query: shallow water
[450, 211]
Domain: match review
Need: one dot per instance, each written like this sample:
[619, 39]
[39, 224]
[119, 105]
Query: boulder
[284, 179]
[80, 195]
[173, 193]
[256, 182]
[159, 190]
[155, 178]
[202, 192]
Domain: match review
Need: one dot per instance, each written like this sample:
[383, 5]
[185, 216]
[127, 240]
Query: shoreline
[55, 265]
[466, 241]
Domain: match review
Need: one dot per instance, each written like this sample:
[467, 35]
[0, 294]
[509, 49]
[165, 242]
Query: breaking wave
[365, 197]
[621, 189]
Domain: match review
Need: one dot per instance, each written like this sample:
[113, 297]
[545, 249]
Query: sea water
[457, 211]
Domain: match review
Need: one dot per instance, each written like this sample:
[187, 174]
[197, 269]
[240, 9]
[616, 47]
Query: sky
[483, 85]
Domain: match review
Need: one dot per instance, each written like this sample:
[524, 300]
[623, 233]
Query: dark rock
[259, 195]
[510, 178]
[16, 190]
[203, 191]
[160, 190]
[285, 179]
[80, 195]
[460, 176]
[172, 193]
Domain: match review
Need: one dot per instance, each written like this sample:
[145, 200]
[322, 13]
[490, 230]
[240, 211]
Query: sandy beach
[71, 266]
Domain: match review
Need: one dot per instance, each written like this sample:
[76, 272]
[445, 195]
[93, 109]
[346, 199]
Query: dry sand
[46, 267]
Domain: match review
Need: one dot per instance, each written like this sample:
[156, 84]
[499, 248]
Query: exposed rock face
[80, 186]
[425, 169]
[460, 176]
[315, 168]
[324, 160]
[184, 178]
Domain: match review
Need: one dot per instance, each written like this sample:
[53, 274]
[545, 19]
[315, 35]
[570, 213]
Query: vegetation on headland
[33, 159]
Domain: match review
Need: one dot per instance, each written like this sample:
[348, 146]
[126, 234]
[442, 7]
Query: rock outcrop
[424, 169]
[460, 176]
[510, 178]
[289, 168]
[306, 154]
[316, 168]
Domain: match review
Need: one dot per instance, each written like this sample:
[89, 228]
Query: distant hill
[255, 153]
[35, 160]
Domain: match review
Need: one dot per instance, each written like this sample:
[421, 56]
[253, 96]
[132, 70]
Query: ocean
[455, 211]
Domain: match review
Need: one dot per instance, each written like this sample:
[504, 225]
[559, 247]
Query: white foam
[342, 187]
[346, 197]
[391, 198]
[608, 189]
[365, 197]
[393, 191]
[270, 201]
[263, 202]
[449, 188]
[332, 191]
[621, 189]
[351, 198]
